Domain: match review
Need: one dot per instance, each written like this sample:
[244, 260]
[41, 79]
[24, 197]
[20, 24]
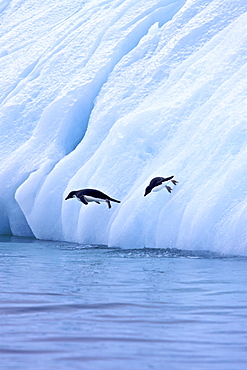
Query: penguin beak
[68, 197]
[147, 191]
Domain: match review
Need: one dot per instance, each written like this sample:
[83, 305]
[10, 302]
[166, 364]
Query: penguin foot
[174, 182]
[169, 188]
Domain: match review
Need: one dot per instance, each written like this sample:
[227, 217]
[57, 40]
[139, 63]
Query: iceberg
[108, 95]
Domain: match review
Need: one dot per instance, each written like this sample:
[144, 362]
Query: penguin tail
[168, 178]
[115, 200]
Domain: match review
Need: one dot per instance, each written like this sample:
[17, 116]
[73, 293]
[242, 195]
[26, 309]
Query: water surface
[69, 306]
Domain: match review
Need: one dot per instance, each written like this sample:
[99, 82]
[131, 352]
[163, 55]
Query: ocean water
[69, 306]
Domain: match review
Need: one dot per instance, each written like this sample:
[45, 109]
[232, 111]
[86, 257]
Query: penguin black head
[72, 194]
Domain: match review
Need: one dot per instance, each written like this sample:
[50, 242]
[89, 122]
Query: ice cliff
[107, 95]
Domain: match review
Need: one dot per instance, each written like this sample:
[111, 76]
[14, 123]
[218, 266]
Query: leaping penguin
[158, 183]
[91, 195]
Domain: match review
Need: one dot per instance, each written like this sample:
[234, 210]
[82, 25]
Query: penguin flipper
[83, 200]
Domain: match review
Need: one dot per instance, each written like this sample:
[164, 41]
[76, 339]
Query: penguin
[158, 183]
[91, 195]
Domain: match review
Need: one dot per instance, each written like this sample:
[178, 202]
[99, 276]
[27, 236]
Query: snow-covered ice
[108, 95]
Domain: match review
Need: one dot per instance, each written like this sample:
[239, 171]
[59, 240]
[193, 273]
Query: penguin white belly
[92, 199]
[160, 187]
